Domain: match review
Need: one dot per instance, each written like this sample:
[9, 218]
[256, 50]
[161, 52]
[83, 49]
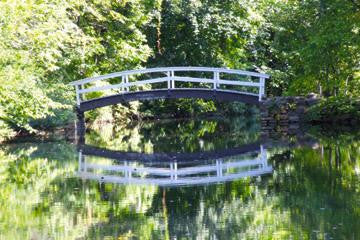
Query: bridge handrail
[176, 182]
[165, 69]
[170, 79]
[165, 79]
[180, 172]
[173, 174]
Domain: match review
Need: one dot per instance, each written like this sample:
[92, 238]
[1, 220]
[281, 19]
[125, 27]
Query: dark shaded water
[209, 179]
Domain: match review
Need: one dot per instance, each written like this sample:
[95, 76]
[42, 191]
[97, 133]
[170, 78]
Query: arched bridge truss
[172, 170]
[142, 84]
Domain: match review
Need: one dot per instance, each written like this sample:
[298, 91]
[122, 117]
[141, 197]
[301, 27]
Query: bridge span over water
[218, 84]
[172, 169]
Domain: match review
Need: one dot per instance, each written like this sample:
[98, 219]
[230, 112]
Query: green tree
[319, 41]
[44, 45]
[33, 38]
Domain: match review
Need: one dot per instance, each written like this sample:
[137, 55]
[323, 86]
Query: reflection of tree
[184, 204]
[125, 208]
[40, 199]
[23, 177]
[320, 188]
[177, 136]
[312, 194]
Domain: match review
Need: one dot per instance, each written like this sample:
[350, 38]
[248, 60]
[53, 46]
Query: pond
[190, 179]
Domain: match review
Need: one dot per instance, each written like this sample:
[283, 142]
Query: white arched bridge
[218, 84]
[173, 169]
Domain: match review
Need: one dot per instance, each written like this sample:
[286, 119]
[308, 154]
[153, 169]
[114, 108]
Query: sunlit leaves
[316, 39]
[46, 44]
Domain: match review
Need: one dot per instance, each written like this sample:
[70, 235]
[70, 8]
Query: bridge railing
[174, 174]
[83, 86]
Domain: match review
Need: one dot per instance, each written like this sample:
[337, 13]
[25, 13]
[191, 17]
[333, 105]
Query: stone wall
[285, 114]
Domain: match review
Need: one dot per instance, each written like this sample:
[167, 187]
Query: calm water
[209, 179]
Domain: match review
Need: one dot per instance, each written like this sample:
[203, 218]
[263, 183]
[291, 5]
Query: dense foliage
[306, 46]
[311, 194]
[319, 41]
[335, 110]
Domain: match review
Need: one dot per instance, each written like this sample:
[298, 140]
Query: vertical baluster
[126, 170]
[122, 82]
[78, 100]
[83, 159]
[82, 95]
[176, 174]
[263, 156]
[127, 81]
[215, 79]
[261, 88]
[171, 171]
[217, 168]
[172, 79]
[130, 172]
[220, 168]
[80, 161]
[168, 80]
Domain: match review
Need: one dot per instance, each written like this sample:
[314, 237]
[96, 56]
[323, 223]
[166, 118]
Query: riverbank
[125, 114]
[335, 110]
[287, 114]
[342, 111]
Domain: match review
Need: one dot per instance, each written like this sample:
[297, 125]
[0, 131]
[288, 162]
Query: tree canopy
[306, 46]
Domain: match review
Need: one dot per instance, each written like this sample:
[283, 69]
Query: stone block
[310, 102]
[294, 118]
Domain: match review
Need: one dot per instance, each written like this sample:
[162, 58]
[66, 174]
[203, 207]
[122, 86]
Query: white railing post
[263, 156]
[130, 172]
[171, 171]
[261, 88]
[78, 100]
[80, 161]
[172, 79]
[221, 168]
[216, 79]
[168, 80]
[126, 170]
[82, 96]
[176, 168]
[126, 82]
[84, 164]
[122, 82]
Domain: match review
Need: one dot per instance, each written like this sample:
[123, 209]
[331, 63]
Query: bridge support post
[80, 126]
[262, 89]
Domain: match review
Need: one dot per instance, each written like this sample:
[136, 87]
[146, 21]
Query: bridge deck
[163, 157]
[208, 94]
[218, 79]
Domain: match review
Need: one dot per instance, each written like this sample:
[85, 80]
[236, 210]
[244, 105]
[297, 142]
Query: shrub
[335, 109]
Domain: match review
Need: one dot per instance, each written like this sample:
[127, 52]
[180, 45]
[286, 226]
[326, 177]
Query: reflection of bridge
[166, 157]
[175, 173]
[210, 87]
